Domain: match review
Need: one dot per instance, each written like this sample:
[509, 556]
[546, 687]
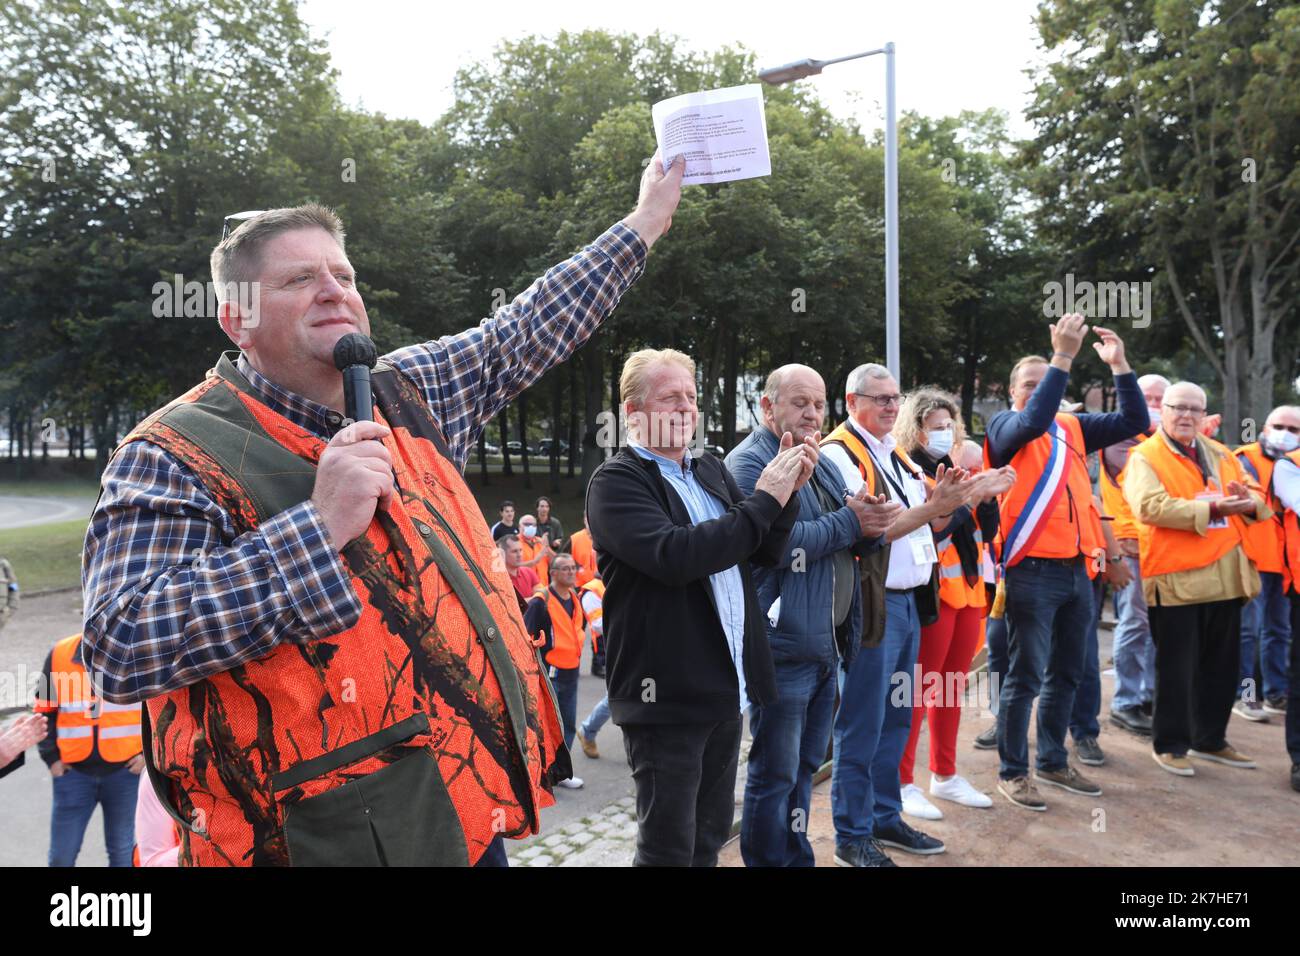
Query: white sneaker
[915, 804]
[959, 790]
[573, 783]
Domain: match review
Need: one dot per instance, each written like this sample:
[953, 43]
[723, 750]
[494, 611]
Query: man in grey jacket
[814, 611]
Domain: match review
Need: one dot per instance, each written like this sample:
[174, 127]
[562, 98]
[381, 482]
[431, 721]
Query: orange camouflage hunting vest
[412, 738]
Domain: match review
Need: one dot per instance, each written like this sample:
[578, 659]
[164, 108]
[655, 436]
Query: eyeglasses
[238, 218]
[1186, 410]
[882, 401]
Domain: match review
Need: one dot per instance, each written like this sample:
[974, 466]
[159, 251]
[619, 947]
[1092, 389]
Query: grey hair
[859, 377]
[237, 258]
[1152, 379]
[1282, 409]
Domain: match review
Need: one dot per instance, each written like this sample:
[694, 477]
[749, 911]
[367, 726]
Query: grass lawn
[45, 556]
[63, 488]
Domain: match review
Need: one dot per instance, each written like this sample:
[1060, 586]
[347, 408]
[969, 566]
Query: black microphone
[355, 356]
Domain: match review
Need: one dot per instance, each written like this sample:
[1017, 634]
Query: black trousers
[685, 777]
[1198, 653]
[1293, 685]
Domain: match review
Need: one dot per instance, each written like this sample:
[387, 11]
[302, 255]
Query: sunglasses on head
[237, 219]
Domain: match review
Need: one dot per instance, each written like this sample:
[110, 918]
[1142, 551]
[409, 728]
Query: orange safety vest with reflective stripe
[436, 685]
[1170, 550]
[954, 590]
[532, 548]
[844, 436]
[597, 587]
[584, 553]
[1053, 495]
[1112, 499]
[83, 719]
[567, 629]
[1265, 540]
[1290, 539]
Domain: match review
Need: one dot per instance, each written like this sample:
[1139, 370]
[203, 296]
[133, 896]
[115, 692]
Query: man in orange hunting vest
[335, 666]
[1193, 507]
[93, 752]
[555, 614]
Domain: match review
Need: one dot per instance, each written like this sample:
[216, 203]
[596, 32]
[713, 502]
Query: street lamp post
[804, 68]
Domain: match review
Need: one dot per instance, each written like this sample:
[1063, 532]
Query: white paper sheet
[722, 134]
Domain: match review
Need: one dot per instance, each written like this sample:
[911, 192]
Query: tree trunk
[574, 449]
[523, 439]
[593, 376]
[557, 413]
[502, 417]
[731, 372]
[482, 459]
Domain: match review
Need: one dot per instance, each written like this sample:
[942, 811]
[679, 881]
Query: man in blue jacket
[814, 615]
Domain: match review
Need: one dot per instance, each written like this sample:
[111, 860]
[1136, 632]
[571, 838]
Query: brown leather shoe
[1229, 756]
[1175, 764]
[1022, 792]
[588, 746]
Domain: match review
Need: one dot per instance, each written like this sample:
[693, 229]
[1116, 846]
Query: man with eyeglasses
[1190, 496]
[874, 720]
[1265, 621]
[336, 668]
[1052, 548]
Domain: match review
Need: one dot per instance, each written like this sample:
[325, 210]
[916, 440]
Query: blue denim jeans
[995, 637]
[565, 682]
[1087, 699]
[872, 726]
[598, 717]
[1049, 613]
[75, 797]
[1265, 639]
[1292, 719]
[1135, 655]
[791, 736]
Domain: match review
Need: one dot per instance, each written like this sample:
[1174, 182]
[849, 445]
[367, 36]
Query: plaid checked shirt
[173, 594]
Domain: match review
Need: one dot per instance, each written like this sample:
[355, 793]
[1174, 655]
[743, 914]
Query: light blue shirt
[728, 587]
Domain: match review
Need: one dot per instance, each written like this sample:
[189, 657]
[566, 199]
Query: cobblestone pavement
[606, 837]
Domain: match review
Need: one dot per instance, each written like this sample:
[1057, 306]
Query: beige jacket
[1232, 576]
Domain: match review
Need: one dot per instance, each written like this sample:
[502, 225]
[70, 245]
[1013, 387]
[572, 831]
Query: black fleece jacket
[667, 659]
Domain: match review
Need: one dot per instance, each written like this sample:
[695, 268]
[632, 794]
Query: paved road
[22, 512]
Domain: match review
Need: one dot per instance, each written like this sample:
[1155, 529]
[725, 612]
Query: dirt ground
[1145, 816]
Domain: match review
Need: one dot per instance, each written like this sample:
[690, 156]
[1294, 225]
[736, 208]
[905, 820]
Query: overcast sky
[399, 57]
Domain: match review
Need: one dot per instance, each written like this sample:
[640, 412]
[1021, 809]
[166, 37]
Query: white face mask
[1281, 440]
[529, 530]
[940, 442]
[1155, 416]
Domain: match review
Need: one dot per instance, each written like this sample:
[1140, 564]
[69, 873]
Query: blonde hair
[237, 258]
[634, 382]
[909, 430]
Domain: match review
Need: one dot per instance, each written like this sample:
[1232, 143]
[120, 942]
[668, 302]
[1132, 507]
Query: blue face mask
[1282, 441]
[529, 531]
[940, 442]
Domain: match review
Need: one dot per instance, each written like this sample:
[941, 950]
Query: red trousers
[947, 647]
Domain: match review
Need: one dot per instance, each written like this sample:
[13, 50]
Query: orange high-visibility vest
[532, 548]
[1170, 550]
[597, 587]
[567, 630]
[1265, 540]
[584, 553]
[82, 718]
[1290, 540]
[436, 686]
[1060, 520]
[954, 590]
[847, 439]
[1112, 499]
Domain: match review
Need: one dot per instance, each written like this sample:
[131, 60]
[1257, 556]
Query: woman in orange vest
[93, 750]
[1189, 495]
[556, 617]
[929, 427]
